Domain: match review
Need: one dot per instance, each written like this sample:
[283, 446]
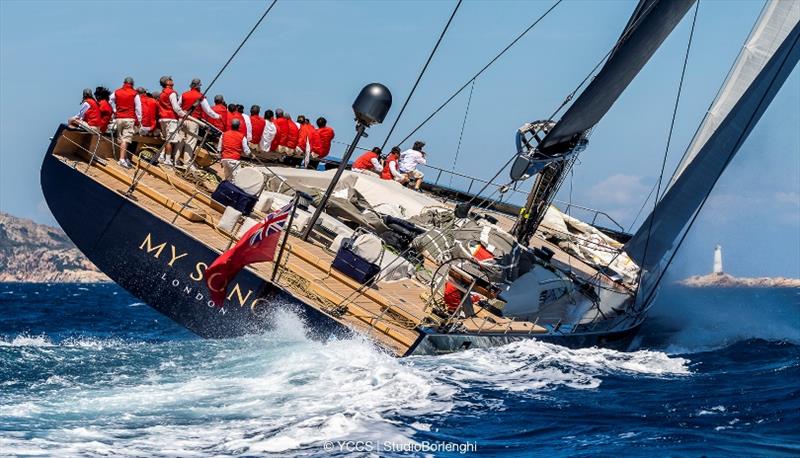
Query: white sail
[776, 21]
[769, 56]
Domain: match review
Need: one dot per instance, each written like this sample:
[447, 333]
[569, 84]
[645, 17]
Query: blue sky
[313, 57]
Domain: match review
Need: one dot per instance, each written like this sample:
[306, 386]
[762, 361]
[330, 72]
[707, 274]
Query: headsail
[649, 26]
[768, 57]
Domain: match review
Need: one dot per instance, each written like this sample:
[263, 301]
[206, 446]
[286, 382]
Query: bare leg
[123, 151]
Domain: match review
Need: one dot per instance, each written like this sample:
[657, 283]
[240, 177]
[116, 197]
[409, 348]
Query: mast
[766, 60]
[650, 24]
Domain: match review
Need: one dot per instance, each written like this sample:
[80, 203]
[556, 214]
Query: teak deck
[390, 312]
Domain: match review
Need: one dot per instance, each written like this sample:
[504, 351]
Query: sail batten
[753, 82]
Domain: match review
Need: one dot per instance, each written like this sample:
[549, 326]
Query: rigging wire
[669, 142]
[450, 99]
[422, 72]
[137, 176]
[461, 135]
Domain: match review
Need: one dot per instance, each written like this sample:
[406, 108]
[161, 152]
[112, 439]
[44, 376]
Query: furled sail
[649, 26]
[768, 57]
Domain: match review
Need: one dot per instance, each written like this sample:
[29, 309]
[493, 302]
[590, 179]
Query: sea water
[88, 370]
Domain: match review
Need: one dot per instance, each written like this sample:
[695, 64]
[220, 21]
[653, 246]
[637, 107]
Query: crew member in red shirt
[391, 170]
[234, 113]
[219, 108]
[232, 146]
[283, 131]
[257, 124]
[88, 116]
[369, 162]
[194, 103]
[149, 112]
[292, 132]
[102, 94]
[169, 110]
[127, 106]
[304, 138]
[321, 141]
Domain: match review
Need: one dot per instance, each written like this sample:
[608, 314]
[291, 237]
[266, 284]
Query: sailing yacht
[418, 273]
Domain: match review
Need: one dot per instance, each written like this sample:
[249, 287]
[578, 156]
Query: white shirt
[137, 105]
[249, 125]
[203, 104]
[176, 104]
[393, 168]
[269, 134]
[82, 112]
[245, 147]
[409, 159]
[376, 165]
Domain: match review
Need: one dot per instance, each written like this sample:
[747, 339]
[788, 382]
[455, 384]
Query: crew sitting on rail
[390, 171]
[369, 163]
[321, 141]
[232, 146]
[304, 135]
[292, 134]
[149, 112]
[88, 116]
[256, 125]
[102, 94]
[410, 159]
[127, 107]
[169, 110]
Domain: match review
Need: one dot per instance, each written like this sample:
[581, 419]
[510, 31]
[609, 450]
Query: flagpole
[286, 236]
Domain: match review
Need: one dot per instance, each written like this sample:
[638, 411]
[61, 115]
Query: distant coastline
[726, 280]
[36, 253]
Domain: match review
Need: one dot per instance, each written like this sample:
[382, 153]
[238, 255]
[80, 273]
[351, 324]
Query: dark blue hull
[159, 263]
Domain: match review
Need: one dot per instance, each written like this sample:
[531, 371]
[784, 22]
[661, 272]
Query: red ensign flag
[257, 245]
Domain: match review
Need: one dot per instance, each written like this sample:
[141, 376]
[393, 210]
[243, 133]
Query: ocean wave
[532, 366]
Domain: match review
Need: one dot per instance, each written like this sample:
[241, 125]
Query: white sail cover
[777, 20]
[768, 57]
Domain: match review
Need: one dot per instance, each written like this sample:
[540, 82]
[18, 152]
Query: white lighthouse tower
[718, 260]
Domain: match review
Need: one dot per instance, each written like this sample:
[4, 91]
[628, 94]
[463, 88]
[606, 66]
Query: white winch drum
[248, 179]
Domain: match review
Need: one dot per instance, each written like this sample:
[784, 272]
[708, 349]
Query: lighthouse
[718, 260]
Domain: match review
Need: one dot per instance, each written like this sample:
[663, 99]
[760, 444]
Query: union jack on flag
[274, 222]
[256, 245]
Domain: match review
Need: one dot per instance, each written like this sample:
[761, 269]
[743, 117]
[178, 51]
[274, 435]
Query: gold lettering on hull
[198, 275]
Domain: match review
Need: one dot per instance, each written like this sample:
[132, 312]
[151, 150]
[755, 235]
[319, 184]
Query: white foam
[531, 366]
[284, 393]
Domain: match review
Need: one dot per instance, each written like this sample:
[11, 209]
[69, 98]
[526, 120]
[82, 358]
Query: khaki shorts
[188, 133]
[125, 130]
[413, 174]
[168, 128]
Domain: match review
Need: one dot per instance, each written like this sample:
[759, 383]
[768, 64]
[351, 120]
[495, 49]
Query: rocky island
[718, 278]
[31, 252]
[729, 281]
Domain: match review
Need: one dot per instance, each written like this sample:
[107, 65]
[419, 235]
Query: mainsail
[768, 57]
